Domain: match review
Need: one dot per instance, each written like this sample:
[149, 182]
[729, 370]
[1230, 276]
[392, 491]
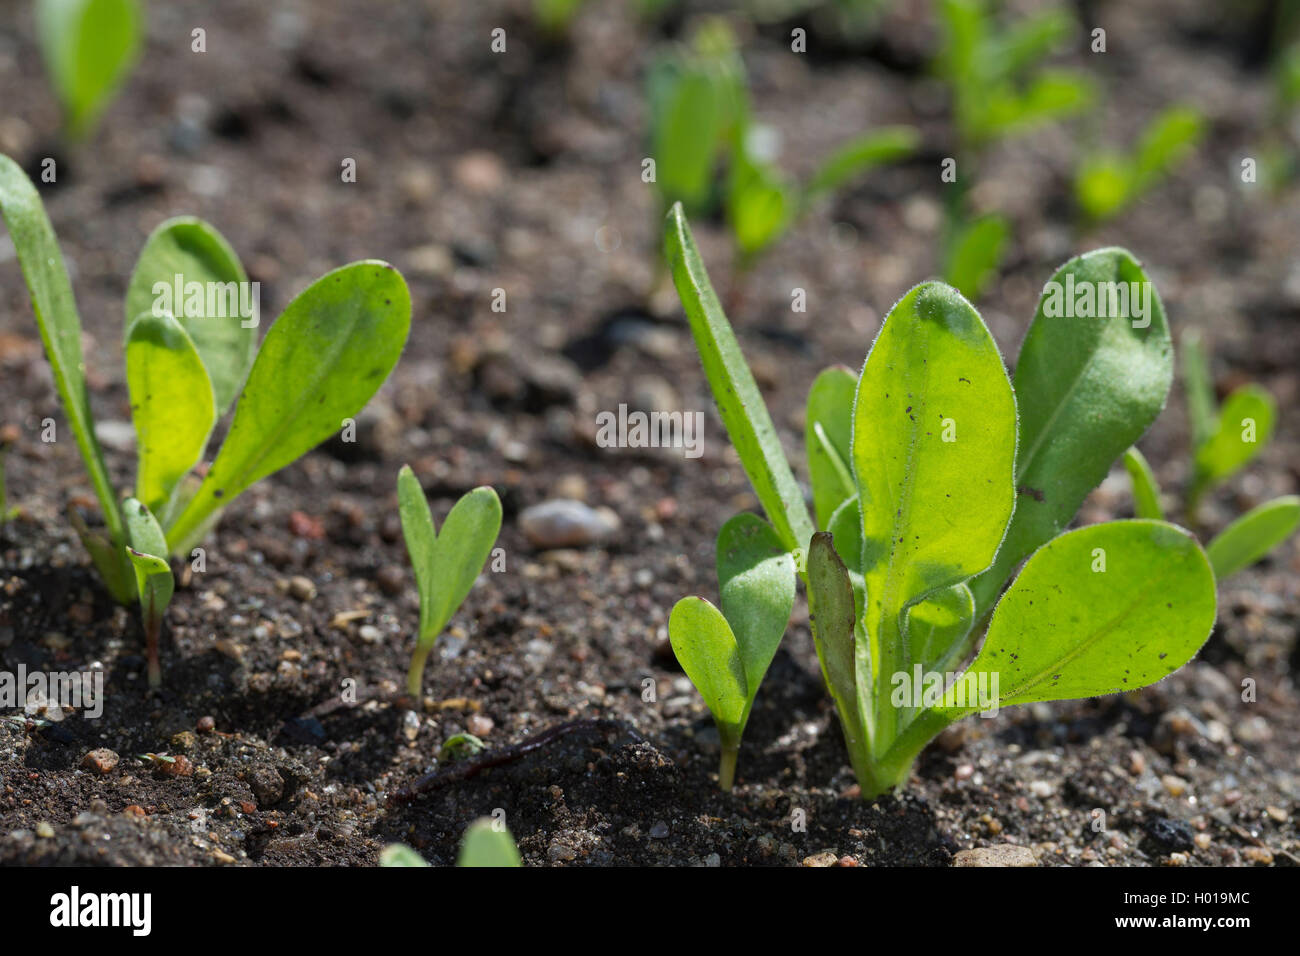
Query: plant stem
[152, 627]
[415, 676]
[727, 766]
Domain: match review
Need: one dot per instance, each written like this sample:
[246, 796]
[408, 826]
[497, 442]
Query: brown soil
[480, 171]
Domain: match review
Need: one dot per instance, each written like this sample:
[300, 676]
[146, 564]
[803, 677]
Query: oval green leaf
[1253, 535]
[320, 363]
[187, 250]
[172, 405]
[1101, 610]
[447, 572]
[707, 650]
[1087, 388]
[756, 577]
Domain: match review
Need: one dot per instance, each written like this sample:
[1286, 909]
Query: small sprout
[726, 653]
[700, 115]
[1253, 535]
[156, 758]
[6, 512]
[153, 577]
[447, 564]
[1000, 89]
[922, 530]
[190, 336]
[1146, 491]
[487, 843]
[460, 746]
[1105, 183]
[89, 48]
[399, 854]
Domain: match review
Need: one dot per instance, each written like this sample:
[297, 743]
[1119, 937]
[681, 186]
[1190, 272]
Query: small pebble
[1176, 786]
[824, 858]
[205, 725]
[302, 588]
[479, 725]
[1005, 854]
[1277, 813]
[566, 523]
[391, 579]
[102, 760]
[1256, 854]
[44, 830]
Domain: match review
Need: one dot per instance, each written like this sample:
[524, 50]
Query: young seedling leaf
[1245, 425]
[974, 253]
[1101, 610]
[941, 629]
[934, 447]
[1086, 388]
[60, 327]
[756, 576]
[319, 364]
[446, 565]
[487, 843]
[187, 250]
[398, 854]
[707, 649]
[1199, 387]
[153, 576]
[172, 405]
[89, 47]
[828, 432]
[833, 629]
[739, 402]
[760, 205]
[1253, 535]
[886, 144]
[1146, 492]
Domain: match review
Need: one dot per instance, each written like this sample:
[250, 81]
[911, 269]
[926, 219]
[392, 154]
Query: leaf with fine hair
[191, 249]
[172, 406]
[1100, 610]
[60, 328]
[319, 364]
[756, 578]
[1086, 389]
[739, 402]
[934, 447]
[1253, 535]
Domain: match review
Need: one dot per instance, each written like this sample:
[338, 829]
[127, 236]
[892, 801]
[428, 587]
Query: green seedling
[933, 480]
[486, 843]
[726, 653]
[999, 85]
[154, 583]
[190, 350]
[89, 47]
[1000, 89]
[460, 746]
[1224, 441]
[6, 512]
[700, 116]
[1105, 183]
[447, 564]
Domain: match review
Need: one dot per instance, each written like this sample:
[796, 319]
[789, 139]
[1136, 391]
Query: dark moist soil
[479, 171]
